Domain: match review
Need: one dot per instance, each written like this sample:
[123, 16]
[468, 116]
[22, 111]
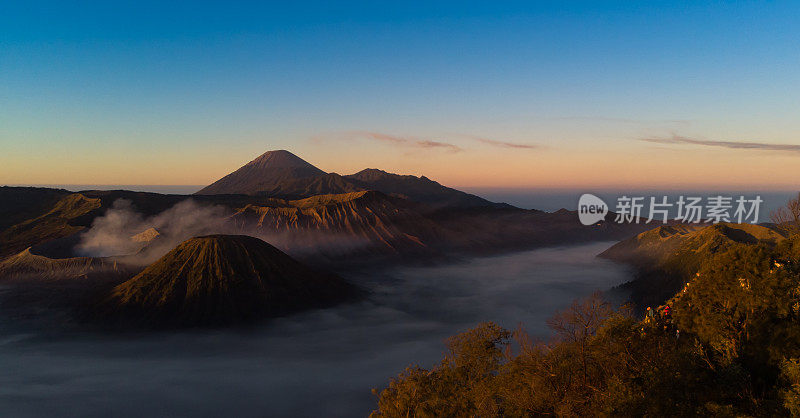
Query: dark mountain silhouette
[20, 203]
[221, 279]
[266, 173]
[62, 220]
[419, 189]
[283, 175]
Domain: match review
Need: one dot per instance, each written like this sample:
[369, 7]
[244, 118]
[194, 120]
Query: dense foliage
[727, 345]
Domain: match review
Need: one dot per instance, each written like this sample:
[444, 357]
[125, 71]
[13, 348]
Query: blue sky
[109, 92]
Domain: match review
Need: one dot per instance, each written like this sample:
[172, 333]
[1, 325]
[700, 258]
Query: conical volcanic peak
[283, 175]
[284, 159]
[221, 279]
[269, 171]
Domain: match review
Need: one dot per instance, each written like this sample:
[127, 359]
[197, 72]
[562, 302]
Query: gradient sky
[528, 94]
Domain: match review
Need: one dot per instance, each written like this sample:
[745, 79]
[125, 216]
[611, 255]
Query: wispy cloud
[676, 139]
[504, 144]
[437, 144]
[420, 142]
[376, 136]
[622, 120]
[410, 142]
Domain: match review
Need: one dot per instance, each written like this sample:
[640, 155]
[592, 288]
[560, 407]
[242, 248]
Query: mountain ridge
[420, 189]
[283, 175]
[668, 256]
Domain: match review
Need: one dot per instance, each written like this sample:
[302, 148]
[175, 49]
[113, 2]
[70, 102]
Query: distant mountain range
[323, 220]
[320, 217]
[281, 174]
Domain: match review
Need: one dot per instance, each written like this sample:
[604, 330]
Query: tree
[462, 384]
[577, 324]
[788, 216]
[599, 363]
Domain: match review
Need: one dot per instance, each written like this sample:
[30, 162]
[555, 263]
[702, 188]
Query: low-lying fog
[321, 363]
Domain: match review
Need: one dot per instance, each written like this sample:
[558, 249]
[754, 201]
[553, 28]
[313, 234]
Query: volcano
[283, 175]
[220, 280]
[268, 172]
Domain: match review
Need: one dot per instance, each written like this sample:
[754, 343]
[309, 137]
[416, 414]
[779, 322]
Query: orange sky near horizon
[571, 165]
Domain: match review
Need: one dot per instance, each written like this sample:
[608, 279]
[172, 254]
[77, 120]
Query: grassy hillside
[667, 256]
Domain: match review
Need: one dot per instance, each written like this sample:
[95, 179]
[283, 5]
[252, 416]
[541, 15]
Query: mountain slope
[267, 172]
[283, 175]
[27, 265]
[57, 223]
[359, 223]
[356, 227]
[687, 245]
[221, 279]
[20, 203]
[668, 256]
[300, 188]
[418, 189]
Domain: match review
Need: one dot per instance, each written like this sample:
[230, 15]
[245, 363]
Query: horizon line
[781, 188]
